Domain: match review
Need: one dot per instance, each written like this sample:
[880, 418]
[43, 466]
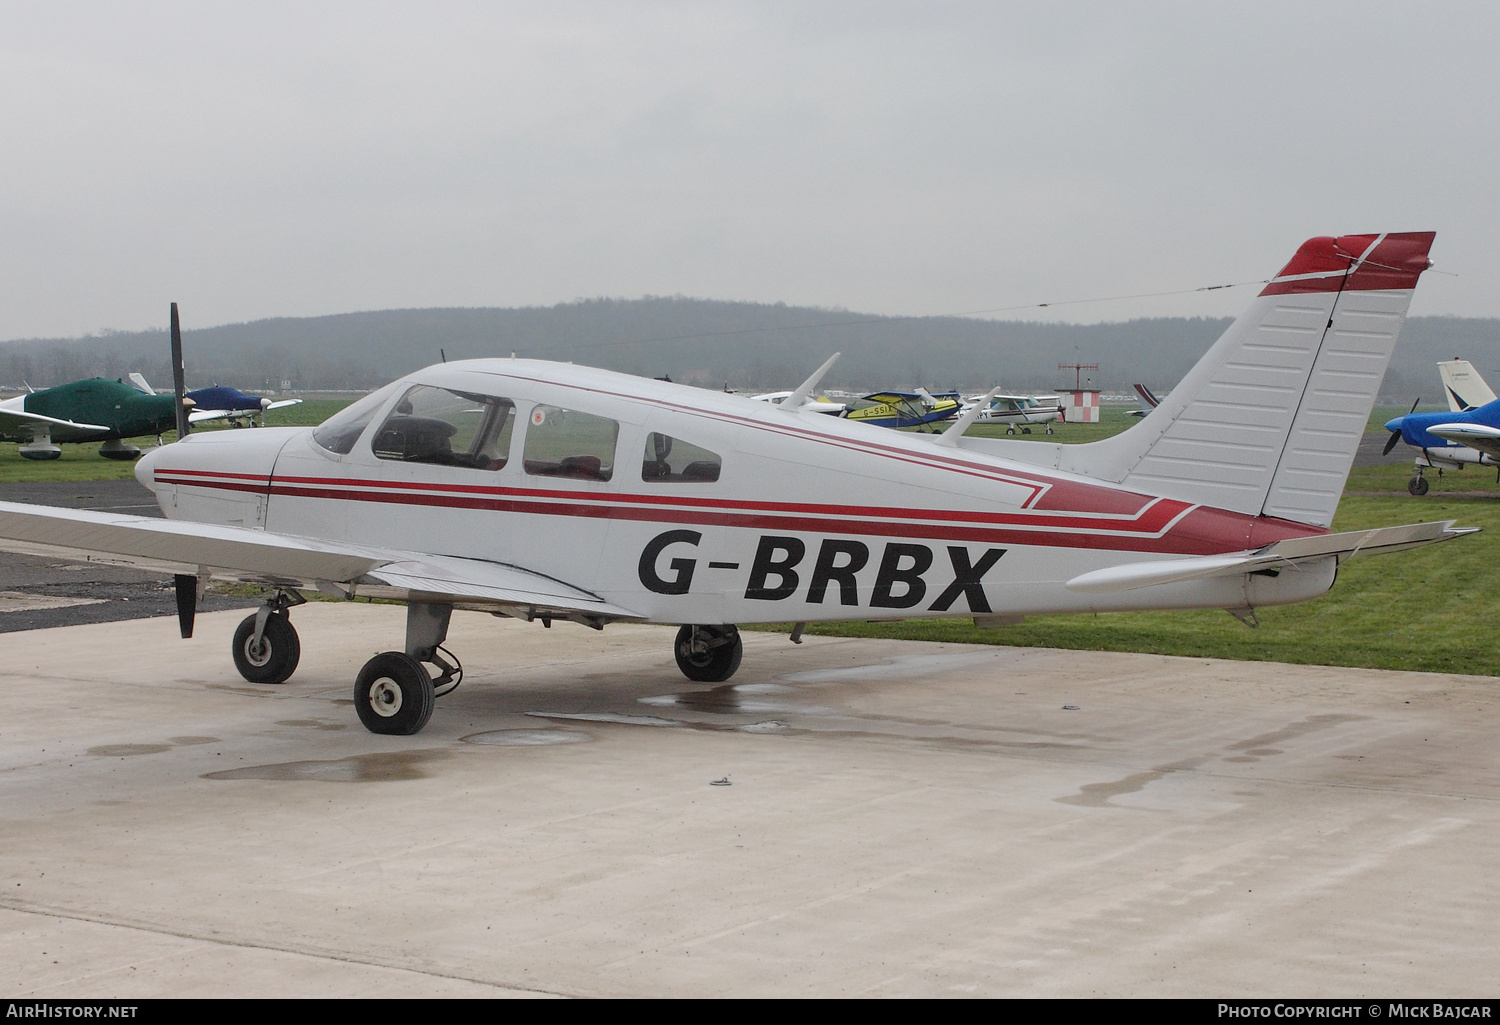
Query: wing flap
[1283, 553]
[477, 583]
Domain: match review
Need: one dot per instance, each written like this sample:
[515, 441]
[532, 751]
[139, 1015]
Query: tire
[393, 694]
[719, 657]
[280, 650]
[1418, 486]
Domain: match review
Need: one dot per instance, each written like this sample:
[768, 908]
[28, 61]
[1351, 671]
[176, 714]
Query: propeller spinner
[1390, 442]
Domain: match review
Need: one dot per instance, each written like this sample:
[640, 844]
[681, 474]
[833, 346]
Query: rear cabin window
[448, 428]
[569, 443]
[670, 460]
[341, 430]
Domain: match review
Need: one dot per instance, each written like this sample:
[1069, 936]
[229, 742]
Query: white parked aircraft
[1018, 410]
[552, 491]
[1464, 387]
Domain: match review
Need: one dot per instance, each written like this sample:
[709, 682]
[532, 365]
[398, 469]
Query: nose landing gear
[394, 693]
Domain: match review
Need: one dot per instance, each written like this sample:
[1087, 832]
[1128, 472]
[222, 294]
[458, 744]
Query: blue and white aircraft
[1448, 439]
[224, 403]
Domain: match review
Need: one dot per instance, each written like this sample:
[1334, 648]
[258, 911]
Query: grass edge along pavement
[1429, 609]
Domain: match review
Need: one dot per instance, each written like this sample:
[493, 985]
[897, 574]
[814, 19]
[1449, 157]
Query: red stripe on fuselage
[1164, 525]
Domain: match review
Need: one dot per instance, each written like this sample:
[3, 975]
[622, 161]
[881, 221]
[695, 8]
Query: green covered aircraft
[95, 409]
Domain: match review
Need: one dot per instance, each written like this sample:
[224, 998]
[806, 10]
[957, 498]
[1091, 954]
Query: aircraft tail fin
[1269, 420]
[1465, 388]
[139, 383]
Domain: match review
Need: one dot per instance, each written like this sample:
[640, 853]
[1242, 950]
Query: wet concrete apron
[845, 817]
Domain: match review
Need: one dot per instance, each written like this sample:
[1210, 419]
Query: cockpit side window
[570, 443]
[448, 428]
[671, 460]
[340, 431]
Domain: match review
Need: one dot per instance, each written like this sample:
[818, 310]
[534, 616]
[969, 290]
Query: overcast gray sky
[256, 160]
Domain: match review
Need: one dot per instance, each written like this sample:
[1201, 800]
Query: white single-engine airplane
[550, 491]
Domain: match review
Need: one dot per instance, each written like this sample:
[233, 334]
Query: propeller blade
[1390, 443]
[1414, 405]
[186, 587]
[179, 384]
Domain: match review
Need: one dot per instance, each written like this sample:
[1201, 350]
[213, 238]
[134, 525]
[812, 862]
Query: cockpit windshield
[341, 430]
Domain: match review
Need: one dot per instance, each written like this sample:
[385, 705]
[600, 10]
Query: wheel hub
[257, 654]
[385, 698]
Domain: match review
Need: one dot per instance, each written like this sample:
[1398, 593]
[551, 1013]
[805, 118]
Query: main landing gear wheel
[1418, 485]
[708, 654]
[275, 659]
[393, 694]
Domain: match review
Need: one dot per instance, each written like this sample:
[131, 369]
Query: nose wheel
[394, 695]
[1418, 485]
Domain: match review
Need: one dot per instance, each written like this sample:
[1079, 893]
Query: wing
[257, 556]
[199, 416]
[1485, 439]
[1282, 553]
[18, 421]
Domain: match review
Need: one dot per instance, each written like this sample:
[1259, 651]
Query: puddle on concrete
[190, 741]
[614, 717]
[1260, 747]
[258, 692]
[313, 724]
[385, 767]
[730, 700]
[527, 738]
[1097, 795]
[769, 726]
[1292, 731]
[903, 667]
[125, 750]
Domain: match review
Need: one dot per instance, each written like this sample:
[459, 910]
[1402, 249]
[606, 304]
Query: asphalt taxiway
[849, 817]
[37, 591]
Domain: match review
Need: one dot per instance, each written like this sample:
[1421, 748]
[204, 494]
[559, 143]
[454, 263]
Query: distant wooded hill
[705, 342]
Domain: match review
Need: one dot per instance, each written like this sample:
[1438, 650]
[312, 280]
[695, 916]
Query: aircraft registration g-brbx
[551, 491]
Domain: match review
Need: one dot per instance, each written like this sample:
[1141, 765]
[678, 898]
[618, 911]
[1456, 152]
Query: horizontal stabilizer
[1283, 553]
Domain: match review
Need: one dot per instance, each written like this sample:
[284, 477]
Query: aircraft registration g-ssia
[549, 491]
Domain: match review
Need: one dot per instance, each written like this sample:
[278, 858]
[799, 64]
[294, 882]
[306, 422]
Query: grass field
[1424, 609]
